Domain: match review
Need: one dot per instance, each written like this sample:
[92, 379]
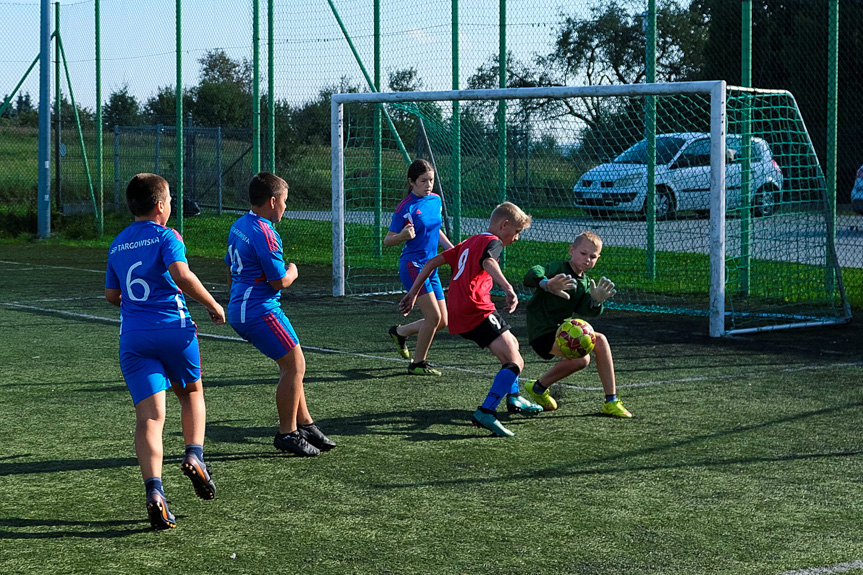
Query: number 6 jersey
[138, 263]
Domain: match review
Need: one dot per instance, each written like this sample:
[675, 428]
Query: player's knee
[577, 364]
[444, 321]
[512, 367]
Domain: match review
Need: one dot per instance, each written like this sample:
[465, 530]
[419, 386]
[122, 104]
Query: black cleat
[316, 437]
[199, 474]
[296, 444]
[158, 513]
[400, 341]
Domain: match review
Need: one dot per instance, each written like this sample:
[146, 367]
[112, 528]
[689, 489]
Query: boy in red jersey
[473, 315]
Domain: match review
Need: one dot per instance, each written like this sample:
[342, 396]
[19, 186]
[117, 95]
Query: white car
[682, 178]
[857, 193]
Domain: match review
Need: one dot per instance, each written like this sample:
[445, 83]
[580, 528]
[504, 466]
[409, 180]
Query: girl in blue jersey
[257, 276]
[417, 222]
[147, 278]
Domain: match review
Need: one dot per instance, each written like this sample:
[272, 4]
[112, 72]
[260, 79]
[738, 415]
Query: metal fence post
[116, 165]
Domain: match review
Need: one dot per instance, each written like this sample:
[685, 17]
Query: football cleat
[296, 444]
[615, 408]
[423, 368]
[158, 513]
[522, 405]
[199, 474]
[489, 421]
[544, 399]
[401, 342]
[316, 437]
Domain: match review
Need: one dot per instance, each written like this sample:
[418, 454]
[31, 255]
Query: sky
[138, 42]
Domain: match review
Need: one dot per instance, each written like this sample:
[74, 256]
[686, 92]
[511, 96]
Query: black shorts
[488, 330]
[543, 344]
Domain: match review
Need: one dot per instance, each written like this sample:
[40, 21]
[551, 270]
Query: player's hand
[217, 314]
[599, 292]
[559, 284]
[408, 232]
[407, 303]
[511, 300]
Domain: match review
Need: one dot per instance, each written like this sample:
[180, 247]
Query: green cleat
[522, 405]
[423, 368]
[545, 399]
[490, 422]
[615, 409]
[401, 342]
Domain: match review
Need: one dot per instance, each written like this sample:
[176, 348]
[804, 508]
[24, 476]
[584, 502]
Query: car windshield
[666, 148]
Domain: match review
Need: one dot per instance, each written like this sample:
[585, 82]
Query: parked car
[682, 178]
[857, 193]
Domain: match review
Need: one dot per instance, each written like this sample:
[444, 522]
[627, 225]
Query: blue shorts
[151, 359]
[408, 272]
[273, 334]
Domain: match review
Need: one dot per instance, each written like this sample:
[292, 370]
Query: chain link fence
[324, 46]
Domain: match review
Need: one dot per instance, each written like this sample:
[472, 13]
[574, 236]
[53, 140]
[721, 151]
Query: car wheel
[664, 205]
[764, 203]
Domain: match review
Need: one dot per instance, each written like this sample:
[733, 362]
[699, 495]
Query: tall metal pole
[456, 126]
[501, 106]
[58, 116]
[179, 119]
[376, 135]
[746, 144]
[271, 90]
[832, 118]
[256, 86]
[650, 135]
[100, 217]
[43, 201]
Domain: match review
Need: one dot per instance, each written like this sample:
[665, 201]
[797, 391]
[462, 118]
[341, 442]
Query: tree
[224, 96]
[161, 108]
[122, 109]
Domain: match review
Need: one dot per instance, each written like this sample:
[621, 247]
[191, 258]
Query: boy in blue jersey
[147, 277]
[257, 276]
[417, 222]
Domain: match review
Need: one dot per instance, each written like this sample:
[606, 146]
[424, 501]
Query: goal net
[709, 199]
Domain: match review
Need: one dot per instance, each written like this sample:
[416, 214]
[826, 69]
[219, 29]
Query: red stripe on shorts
[280, 331]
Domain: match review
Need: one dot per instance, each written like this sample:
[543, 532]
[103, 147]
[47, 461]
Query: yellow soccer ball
[575, 338]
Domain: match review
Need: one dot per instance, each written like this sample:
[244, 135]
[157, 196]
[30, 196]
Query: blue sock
[154, 483]
[610, 398]
[196, 450]
[503, 382]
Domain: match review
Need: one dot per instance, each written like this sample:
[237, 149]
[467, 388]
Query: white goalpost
[656, 252]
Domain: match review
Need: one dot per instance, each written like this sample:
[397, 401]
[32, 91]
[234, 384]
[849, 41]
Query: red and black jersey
[469, 300]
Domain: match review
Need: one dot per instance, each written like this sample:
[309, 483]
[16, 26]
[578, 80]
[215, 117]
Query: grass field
[744, 456]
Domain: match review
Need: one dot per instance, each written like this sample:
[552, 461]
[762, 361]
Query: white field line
[838, 568]
[448, 367]
[227, 337]
[30, 266]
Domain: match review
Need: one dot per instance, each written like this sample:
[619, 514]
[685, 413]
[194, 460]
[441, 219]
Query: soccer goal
[709, 199]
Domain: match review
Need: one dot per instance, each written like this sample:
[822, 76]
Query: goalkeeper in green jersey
[563, 290]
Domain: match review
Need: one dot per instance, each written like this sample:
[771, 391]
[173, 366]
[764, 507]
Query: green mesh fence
[581, 164]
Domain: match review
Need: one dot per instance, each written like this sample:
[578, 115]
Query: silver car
[682, 178]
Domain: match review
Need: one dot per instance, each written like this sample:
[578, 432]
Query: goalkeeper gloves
[600, 292]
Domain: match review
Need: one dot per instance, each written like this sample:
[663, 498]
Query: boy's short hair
[264, 186]
[588, 236]
[510, 212]
[144, 192]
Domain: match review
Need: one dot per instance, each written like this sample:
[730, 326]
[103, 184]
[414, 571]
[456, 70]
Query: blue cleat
[522, 405]
[489, 421]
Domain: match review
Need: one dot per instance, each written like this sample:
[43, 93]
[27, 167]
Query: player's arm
[187, 281]
[444, 241]
[493, 268]
[291, 274]
[113, 296]
[407, 302]
[406, 234]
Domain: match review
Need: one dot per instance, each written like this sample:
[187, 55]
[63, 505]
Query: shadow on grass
[609, 463]
[66, 528]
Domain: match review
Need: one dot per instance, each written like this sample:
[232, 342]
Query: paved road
[793, 237]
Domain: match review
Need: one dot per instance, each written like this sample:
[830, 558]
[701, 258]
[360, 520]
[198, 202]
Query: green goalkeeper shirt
[546, 311]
